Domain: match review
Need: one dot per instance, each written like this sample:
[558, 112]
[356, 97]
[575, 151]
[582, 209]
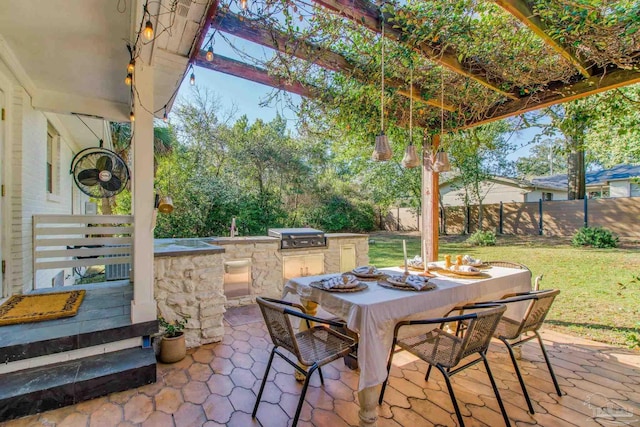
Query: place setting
[406, 282]
[466, 267]
[342, 283]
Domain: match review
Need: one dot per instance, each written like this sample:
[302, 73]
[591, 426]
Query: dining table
[373, 311]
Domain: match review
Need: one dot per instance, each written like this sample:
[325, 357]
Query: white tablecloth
[374, 312]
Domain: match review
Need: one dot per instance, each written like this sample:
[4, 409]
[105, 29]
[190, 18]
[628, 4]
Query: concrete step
[35, 390]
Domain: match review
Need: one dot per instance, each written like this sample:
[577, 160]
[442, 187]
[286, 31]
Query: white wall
[536, 195]
[495, 193]
[635, 190]
[25, 166]
[619, 188]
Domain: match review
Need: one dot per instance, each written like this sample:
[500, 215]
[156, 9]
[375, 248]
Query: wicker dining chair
[445, 350]
[515, 332]
[312, 348]
[509, 264]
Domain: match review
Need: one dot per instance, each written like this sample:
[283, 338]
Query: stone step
[35, 390]
[104, 317]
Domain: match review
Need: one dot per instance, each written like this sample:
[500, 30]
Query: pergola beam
[523, 13]
[563, 93]
[250, 30]
[249, 72]
[367, 14]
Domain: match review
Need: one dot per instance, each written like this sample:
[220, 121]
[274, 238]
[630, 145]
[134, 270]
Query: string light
[132, 116]
[127, 80]
[192, 79]
[148, 31]
[131, 66]
[243, 4]
[209, 55]
[164, 116]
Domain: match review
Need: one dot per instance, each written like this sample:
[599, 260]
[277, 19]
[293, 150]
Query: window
[547, 197]
[49, 162]
[52, 172]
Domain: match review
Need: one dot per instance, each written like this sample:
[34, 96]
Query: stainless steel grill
[299, 238]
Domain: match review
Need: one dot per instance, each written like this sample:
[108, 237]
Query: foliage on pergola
[473, 61]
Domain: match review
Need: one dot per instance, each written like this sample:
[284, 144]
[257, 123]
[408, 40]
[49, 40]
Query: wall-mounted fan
[99, 172]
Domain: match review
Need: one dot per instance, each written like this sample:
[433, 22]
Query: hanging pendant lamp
[382, 150]
[410, 159]
[441, 160]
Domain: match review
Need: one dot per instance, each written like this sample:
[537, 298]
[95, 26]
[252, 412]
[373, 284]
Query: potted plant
[173, 347]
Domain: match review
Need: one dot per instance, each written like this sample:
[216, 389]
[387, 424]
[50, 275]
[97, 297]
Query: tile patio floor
[217, 383]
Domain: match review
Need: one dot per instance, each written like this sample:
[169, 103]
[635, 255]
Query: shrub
[596, 237]
[482, 238]
[172, 330]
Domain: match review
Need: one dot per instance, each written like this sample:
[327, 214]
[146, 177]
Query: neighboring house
[501, 189]
[619, 181]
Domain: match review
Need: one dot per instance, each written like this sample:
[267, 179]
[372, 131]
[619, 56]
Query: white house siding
[619, 188]
[536, 195]
[635, 190]
[26, 183]
[495, 193]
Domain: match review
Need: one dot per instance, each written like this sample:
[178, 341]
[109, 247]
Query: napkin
[366, 269]
[416, 282]
[465, 268]
[469, 260]
[416, 262]
[340, 282]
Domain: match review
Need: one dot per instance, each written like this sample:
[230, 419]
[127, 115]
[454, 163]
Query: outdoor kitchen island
[201, 277]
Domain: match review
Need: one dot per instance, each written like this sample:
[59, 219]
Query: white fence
[73, 241]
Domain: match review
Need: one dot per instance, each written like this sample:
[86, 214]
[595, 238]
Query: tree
[545, 158]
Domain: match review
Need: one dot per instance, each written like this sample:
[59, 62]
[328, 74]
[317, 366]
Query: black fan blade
[88, 177]
[113, 184]
[104, 163]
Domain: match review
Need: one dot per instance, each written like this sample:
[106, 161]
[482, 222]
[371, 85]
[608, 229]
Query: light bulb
[148, 30]
[127, 80]
[164, 116]
[131, 66]
[209, 55]
[132, 116]
[192, 79]
[243, 4]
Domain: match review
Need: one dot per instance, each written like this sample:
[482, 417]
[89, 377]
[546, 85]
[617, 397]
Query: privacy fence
[551, 218]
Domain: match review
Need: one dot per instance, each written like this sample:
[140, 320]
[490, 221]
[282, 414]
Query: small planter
[173, 349]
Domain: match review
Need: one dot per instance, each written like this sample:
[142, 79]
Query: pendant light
[382, 150]
[441, 161]
[410, 159]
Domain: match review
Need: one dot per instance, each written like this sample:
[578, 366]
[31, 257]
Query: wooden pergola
[582, 67]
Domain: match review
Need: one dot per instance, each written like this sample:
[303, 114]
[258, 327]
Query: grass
[600, 288]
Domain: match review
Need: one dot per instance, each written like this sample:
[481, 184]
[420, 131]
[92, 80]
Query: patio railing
[80, 241]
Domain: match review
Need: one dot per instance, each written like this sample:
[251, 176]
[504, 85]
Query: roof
[514, 182]
[616, 173]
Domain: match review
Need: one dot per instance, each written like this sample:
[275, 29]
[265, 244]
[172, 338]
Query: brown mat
[36, 308]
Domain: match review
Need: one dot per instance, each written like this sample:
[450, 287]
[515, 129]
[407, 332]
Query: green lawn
[600, 296]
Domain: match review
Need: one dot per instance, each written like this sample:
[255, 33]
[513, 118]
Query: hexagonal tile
[159, 419]
[218, 408]
[73, 420]
[223, 350]
[220, 384]
[203, 355]
[176, 378]
[242, 399]
[195, 392]
[106, 415]
[243, 378]
[200, 372]
[189, 415]
[241, 346]
[138, 408]
[220, 365]
[242, 360]
[168, 400]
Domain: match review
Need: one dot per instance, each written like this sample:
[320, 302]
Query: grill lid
[285, 233]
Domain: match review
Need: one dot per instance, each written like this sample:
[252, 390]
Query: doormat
[36, 308]
[238, 316]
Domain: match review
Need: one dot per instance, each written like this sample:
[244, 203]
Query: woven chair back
[279, 326]
[538, 310]
[477, 335]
